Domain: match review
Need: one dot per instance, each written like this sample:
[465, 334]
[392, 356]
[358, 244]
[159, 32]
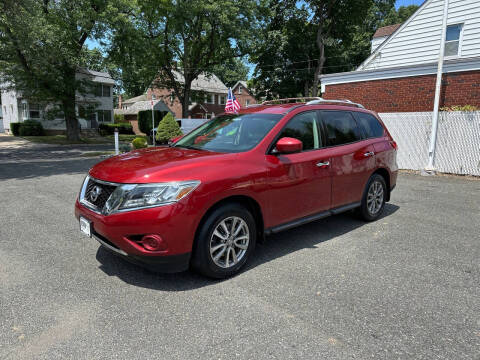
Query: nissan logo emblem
[95, 193]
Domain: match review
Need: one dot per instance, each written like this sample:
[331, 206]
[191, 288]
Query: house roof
[143, 105]
[241, 82]
[376, 52]
[98, 76]
[135, 99]
[204, 82]
[386, 30]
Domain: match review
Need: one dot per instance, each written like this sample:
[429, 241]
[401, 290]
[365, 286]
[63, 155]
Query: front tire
[374, 197]
[224, 241]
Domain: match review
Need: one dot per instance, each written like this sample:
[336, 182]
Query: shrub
[167, 129]
[31, 128]
[145, 120]
[460, 108]
[15, 128]
[139, 143]
[109, 128]
[118, 118]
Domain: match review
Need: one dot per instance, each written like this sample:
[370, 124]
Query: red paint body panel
[285, 186]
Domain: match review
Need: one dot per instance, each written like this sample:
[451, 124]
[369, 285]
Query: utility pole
[430, 168]
[153, 119]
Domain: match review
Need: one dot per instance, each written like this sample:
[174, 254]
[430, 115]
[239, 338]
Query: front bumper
[172, 223]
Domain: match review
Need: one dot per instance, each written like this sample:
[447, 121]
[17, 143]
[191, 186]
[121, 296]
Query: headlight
[138, 196]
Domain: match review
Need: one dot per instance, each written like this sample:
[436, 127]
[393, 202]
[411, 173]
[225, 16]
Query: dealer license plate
[86, 226]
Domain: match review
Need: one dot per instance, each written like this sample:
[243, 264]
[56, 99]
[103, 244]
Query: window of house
[222, 100]
[370, 125]
[209, 99]
[247, 102]
[239, 89]
[106, 90]
[452, 40]
[304, 128]
[34, 111]
[24, 111]
[341, 127]
[104, 115]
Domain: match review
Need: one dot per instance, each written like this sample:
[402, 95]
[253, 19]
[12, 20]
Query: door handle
[370, 153]
[323, 163]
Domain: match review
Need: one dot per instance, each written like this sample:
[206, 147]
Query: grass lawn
[62, 140]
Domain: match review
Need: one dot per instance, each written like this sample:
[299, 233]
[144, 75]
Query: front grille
[97, 193]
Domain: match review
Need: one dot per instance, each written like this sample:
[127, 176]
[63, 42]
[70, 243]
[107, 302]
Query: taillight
[394, 144]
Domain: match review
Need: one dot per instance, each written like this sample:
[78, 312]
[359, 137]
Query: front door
[300, 183]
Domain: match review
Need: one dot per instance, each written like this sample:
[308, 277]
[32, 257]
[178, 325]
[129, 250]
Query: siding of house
[418, 40]
[10, 109]
[410, 94]
[376, 42]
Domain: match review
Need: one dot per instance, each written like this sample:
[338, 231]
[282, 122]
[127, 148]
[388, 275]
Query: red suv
[204, 201]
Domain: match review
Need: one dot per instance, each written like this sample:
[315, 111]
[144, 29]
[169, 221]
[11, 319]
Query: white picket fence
[458, 141]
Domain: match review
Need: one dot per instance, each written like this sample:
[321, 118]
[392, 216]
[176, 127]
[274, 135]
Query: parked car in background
[204, 201]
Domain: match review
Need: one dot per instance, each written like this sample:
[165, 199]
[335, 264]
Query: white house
[91, 108]
[399, 75]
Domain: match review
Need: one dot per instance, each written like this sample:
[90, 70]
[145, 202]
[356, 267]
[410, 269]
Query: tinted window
[371, 126]
[341, 127]
[230, 133]
[303, 127]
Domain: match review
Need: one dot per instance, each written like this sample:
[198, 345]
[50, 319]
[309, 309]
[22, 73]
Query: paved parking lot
[404, 287]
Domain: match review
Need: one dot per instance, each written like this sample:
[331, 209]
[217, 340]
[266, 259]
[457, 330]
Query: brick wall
[243, 97]
[164, 94]
[410, 94]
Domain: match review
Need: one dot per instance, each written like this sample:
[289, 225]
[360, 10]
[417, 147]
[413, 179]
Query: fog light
[153, 243]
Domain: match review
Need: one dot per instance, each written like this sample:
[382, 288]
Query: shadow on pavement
[35, 169]
[278, 245]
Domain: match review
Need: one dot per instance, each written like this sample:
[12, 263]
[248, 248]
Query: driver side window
[304, 128]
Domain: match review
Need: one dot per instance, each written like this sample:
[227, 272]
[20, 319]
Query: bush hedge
[139, 143]
[109, 128]
[31, 128]
[15, 128]
[118, 118]
[145, 120]
[167, 129]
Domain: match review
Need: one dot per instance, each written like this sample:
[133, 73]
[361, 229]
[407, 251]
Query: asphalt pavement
[404, 287]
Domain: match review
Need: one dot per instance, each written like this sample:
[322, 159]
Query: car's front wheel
[224, 241]
[374, 197]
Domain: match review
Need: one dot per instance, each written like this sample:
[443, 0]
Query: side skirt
[307, 219]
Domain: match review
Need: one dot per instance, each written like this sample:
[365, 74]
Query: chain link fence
[458, 140]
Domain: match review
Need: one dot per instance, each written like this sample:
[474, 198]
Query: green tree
[43, 48]
[167, 43]
[167, 129]
[231, 71]
[399, 16]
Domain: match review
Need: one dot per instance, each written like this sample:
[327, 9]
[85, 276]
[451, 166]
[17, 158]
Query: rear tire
[224, 241]
[374, 197]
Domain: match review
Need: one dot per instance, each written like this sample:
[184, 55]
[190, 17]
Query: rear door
[300, 183]
[352, 156]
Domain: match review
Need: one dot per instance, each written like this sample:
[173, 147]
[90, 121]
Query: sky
[407, 2]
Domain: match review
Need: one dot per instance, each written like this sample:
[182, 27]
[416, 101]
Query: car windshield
[230, 133]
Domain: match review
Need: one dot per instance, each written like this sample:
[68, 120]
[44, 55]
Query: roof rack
[290, 100]
[341, 102]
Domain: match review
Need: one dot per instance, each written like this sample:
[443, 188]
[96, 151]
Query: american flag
[232, 105]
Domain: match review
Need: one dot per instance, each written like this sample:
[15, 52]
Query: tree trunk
[321, 60]
[186, 99]
[71, 122]
[68, 104]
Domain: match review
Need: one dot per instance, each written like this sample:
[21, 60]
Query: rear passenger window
[341, 127]
[370, 124]
[304, 128]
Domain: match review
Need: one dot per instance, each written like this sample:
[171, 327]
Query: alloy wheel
[229, 242]
[375, 197]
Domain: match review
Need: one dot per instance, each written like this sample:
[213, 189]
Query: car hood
[159, 164]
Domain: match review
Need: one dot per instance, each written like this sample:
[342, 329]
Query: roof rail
[341, 102]
[290, 100]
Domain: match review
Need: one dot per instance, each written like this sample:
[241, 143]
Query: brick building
[400, 73]
[243, 94]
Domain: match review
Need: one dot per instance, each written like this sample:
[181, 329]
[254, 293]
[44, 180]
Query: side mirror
[287, 145]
